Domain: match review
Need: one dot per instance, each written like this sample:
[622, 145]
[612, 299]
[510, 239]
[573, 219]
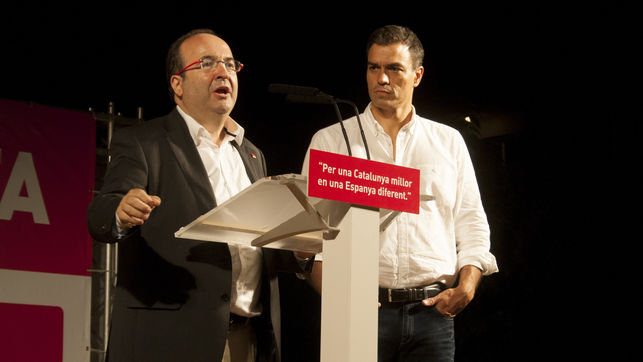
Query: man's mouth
[381, 91]
[222, 90]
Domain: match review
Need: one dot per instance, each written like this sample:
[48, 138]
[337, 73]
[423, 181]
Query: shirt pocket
[440, 182]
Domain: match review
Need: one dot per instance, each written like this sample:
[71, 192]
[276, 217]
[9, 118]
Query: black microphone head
[316, 99]
[292, 89]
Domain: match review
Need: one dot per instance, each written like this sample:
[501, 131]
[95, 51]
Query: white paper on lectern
[253, 212]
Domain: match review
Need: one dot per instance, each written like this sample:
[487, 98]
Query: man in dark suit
[179, 299]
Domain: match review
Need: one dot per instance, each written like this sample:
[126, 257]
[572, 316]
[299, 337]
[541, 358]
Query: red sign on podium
[363, 182]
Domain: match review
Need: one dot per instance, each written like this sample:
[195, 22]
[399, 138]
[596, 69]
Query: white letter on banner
[23, 171]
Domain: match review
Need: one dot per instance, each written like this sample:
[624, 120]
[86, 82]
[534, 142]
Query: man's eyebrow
[388, 65]
[212, 57]
[398, 65]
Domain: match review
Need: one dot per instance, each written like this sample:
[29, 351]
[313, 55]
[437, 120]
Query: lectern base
[349, 289]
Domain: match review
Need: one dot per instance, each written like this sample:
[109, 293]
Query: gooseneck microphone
[300, 94]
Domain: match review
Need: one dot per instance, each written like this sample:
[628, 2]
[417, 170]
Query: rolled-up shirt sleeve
[472, 232]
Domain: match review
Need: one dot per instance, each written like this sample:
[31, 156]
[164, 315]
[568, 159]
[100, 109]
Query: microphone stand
[299, 94]
[359, 122]
[341, 124]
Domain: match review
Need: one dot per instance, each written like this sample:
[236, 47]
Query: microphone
[317, 99]
[300, 94]
[294, 89]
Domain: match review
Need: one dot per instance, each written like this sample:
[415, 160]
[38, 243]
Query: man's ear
[419, 72]
[176, 82]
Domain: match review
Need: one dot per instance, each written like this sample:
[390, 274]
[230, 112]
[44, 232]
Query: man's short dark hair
[391, 34]
[174, 62]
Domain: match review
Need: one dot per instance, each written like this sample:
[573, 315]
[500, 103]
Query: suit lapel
[250, 161]
[189, 160]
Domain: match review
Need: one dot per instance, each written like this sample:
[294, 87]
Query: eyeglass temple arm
[187, 66]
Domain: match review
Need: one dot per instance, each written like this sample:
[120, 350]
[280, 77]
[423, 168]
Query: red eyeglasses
[210, 63]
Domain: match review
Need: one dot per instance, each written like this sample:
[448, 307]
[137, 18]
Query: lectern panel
[253, 212]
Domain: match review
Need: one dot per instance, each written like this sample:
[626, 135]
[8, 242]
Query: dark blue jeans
[412, 332]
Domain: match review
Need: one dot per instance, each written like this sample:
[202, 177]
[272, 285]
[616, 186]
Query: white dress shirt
[450, 231]
[228, 176]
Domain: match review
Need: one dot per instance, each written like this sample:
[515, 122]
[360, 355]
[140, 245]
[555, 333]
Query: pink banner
[33, 333]
[47, 160]
[363, 182]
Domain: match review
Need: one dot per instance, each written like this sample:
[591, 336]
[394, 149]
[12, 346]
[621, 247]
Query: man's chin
[223, 106]
[380, 103]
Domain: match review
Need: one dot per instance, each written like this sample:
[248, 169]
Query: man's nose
[221, 70]
[382, 77]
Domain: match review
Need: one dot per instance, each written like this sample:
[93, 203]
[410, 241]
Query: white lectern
[277, 213]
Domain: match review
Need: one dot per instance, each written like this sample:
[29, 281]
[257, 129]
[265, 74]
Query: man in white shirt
[431, 262]
[179, 299]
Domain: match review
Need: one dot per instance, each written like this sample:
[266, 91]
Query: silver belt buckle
[431, 287]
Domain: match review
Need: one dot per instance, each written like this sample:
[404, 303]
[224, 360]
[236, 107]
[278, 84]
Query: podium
[276, 212]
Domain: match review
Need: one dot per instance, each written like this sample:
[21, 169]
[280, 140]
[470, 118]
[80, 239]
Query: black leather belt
[237, 321]
[410, 294]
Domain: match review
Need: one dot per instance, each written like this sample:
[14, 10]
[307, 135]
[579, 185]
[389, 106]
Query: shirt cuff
[119, 230]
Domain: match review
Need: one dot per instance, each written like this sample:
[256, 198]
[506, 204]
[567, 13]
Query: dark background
[545, 73]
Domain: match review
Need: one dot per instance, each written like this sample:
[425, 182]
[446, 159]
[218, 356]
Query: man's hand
[135, 207]
[453, 300]
[450, 302]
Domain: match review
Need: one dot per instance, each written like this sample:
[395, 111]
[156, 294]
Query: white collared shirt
[228, 176]
[450, 231]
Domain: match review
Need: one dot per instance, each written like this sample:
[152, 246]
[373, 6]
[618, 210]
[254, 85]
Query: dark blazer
[172, 298]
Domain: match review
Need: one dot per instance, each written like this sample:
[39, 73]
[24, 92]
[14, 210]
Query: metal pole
[109, 258]
[110, 248]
